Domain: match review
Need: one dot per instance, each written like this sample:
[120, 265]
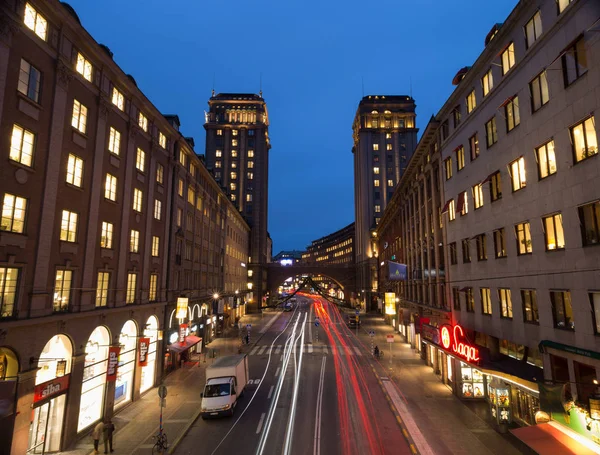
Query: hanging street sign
[162, 391]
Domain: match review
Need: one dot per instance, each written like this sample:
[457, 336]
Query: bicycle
[378, 356]
[161, 445]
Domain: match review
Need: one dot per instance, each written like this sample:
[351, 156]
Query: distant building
[385, 137]
[334, 248]
[237, 151]
[288, 257]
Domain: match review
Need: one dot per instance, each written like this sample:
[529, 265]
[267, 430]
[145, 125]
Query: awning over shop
[190, 341]
[547, 438]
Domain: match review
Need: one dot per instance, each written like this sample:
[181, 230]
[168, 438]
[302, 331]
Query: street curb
[405, 433]
[184, 433]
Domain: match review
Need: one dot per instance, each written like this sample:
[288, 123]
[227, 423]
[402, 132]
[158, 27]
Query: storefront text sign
[430, 333]
[182, 307]
[113, 363]
[182, 329]
[453, 339]
[51, 388]
[144, 346]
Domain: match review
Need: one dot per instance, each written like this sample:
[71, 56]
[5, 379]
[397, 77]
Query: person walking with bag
[109, 429]
[96, 433]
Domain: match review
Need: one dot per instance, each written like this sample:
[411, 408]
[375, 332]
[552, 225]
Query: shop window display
[526, 406]
[148, 371]
[471, 382]
[124, 383]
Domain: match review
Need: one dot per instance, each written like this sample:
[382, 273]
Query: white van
[226, 380]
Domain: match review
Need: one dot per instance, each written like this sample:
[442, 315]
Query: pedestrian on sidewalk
[109, 429]
[96, 433]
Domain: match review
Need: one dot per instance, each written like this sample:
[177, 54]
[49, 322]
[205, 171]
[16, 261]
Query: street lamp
[215, 296]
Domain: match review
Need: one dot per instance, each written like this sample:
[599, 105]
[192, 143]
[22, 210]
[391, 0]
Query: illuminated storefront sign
[182, 330]
[113, 363]
[182, 306]
[51, 388]
[390, 303]
[144, 346]
[453, 339]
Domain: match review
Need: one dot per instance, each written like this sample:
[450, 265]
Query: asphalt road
[306, 396]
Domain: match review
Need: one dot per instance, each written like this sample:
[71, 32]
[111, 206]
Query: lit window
[131, 283]
[508, 58]
[134, 241]
[191, 195]
[486, 300]
[62, 290]
[234, 153]
[506, 310]
[530, 308]
[448, 167]
[84, 67]
[21, 146]
[250, 153]
[375, 146]
[511, 112]
[499, 245]
[234, 142]
[388, 146]
[152, 292]
[160, 172]
[137, 199]
[376, 183]
[182, 158]
[553, 229]
[583, 138]
[157, 209]
[533, 29]
[517, 174]
[478, 196]
[465, 203]
[491, 133]
[562, 310]
[574, 62]
[106, 236]
[377, 208]
[250, 164]
[29, 81]
[538, 89]
[192, 170]
[233, 197]
[218, 164]
[143, 122]
[68, 226]
[388, 135]
[589, 220]
[233, 175]
[523, 238]
[114, 141]
[233, 165]
[232, 186]
[234, 132]
[118, 99]
[180, 187]
[376, 170]
[218, 153]
[140, 160]
[546, 159]
[460, 158]
[487, 82]
[162, 140]
[250, 175]
[390, 182]
[562, 4]
[471, 101]
[79, 119]
[14, 209]
[74, 170]
[110, 187]
[219, 132]
[102, 289]
[451, 210]
[36, 22]
[155, 246]
[248, 198]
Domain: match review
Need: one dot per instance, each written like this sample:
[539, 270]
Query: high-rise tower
[385, 137]
[237, 149]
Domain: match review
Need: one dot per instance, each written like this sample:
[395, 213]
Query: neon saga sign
[453, 339]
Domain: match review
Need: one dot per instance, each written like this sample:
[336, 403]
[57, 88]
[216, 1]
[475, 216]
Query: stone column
[73, 401]
[24, 412]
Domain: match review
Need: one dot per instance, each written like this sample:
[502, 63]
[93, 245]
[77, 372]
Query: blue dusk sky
[314, 57]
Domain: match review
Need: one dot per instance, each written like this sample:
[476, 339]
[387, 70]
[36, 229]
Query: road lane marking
[270, 392]
[277, 371]
[278, 349]
[260, 423]
[262, 349]
[310, 348]
[317, 441]
[270, 323]
[409, 422]
[325, 350]
[357, 350]
[254, 349]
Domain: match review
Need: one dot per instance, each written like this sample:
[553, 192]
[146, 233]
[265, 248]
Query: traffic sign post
[162, 394]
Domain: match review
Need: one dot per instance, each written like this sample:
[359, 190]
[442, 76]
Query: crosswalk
[308, 349]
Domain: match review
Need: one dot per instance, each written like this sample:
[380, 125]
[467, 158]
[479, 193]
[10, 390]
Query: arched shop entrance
[181, 344]
[149, 366]
[94, 378]
[9, 369]
[49, 396]
[124, 382]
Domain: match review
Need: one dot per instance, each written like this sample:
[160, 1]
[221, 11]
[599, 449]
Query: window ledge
[540, 108]
[531, 322]
[565, 329]
[567, 87]
[555, 250]
[586, 158]
[541, 179]
[68, 247]
[8, 238]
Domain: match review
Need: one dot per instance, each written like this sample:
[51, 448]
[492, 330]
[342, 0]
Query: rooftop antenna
[260, 92]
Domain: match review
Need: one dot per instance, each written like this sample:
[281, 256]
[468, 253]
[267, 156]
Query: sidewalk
[139, 421]
[446, 423]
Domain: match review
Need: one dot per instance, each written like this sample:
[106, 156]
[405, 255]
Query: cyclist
[376, 352]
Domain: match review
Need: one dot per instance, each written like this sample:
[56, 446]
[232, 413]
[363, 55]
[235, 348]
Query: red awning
[446, 206]
[190, 341]
[461, 202]
[488, 178]
[545, 438]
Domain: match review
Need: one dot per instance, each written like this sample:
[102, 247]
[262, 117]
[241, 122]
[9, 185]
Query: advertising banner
[113, 363]
[390, 303]
[144, 346]
[397, 272]
[182, 329]
[182, 306]
[51, 388]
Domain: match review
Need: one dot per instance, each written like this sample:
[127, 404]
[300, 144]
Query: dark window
[456, 116]
[533, 29]
[456, 299]
[530, 307]
[470, 300]
[562, 311]
[499, 244]
[444, 130]
[30, 80]
[466, 252]
[574, 62]
[496, 187]
[452, 249]
[491, 133]
[589, 220]
[474, 146]
[538, 89]
[595, 303]
[585, 375]
[481, 247]
[511, 112]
